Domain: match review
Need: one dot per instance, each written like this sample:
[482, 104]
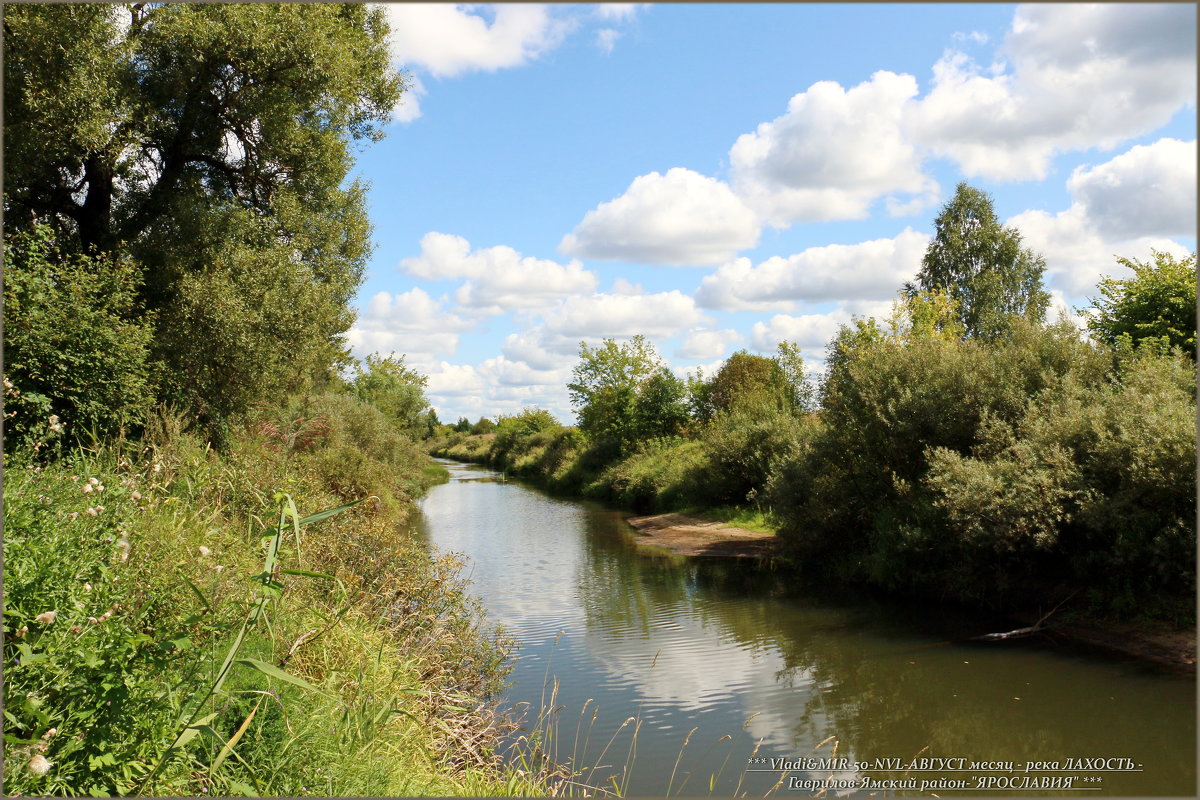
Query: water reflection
[732, 650]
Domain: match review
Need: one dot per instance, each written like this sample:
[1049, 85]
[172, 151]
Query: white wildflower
[24, 630]
[74, 515]
[46, 617]
[87, 488]
[91, 512]
[93, 481]
[87, 587]
[204, 551]
[38, 765]
[50, 733]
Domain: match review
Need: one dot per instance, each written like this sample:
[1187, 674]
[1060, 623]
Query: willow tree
[211, 143]
[981, 266]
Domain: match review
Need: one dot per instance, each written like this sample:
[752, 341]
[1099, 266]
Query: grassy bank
[171, 630]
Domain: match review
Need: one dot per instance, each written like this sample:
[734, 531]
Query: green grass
[752, 519]
[186, 636]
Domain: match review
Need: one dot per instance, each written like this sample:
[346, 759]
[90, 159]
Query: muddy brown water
[773, 676]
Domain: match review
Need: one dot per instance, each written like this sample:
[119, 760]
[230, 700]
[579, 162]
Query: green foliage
[396, 390]
[1158, 302]
[660, 408]
[217, 158]
[801, 395]
[517, 433]
[743, 378]
[606, 386]
[699, 396]
[75, 344]
[747, 379]
[982, 266]
[746, 446]
[151, 608]
[661, 475]
[529, 421]
[998, 472]
[484, 425]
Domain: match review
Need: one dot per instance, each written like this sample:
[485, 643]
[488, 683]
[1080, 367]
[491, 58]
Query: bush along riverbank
[1008, 473]
[182, 622]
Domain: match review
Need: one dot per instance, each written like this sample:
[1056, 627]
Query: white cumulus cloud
[1148, 191]
[499, 278]
[681, 218]
[811, 331]
[448, 39]
[833, 154]
[409, 107]
[1074, 76]
[411, 322]
[873, 270]
[1124, 207]
[621, 12]
[708, 343]
[618, 315]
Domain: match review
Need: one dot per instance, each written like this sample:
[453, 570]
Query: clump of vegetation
[209, 636]
[1158, 303]
[75, 344]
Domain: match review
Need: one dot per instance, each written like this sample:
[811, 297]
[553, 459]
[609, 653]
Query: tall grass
[176, 624]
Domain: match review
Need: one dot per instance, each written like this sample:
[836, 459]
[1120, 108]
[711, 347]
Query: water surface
[626, 630]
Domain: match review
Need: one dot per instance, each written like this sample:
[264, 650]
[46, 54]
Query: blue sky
[720, 177]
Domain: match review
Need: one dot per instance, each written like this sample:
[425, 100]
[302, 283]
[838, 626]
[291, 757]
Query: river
[763, 669]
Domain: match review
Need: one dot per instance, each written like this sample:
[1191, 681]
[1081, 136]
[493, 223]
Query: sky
[724, 177]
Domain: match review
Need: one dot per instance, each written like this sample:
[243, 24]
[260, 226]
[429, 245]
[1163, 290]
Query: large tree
[607, 384]
[982, 266]
[212, 144]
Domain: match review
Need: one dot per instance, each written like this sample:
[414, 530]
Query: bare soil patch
[692, 536]
[1166, 647]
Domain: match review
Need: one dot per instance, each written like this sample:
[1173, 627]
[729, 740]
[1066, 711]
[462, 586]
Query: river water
[763, 669]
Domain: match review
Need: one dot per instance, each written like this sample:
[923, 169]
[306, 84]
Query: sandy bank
[692, 536]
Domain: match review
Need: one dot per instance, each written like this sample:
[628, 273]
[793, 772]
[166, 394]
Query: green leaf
[28, 656]
[320, 515]
[308, 574]
[273, 671]
[242, 790]
[191, 732]
[200, 594]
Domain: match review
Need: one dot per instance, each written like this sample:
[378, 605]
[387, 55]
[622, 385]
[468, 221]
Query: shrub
[745, 447]
[75, 344]
[662, 474]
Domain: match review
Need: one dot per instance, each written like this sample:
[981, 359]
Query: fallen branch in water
[1019, 632]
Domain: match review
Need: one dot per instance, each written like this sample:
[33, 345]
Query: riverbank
[696, 537]
[693, 536]
[1174, 650]
[185, 622]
